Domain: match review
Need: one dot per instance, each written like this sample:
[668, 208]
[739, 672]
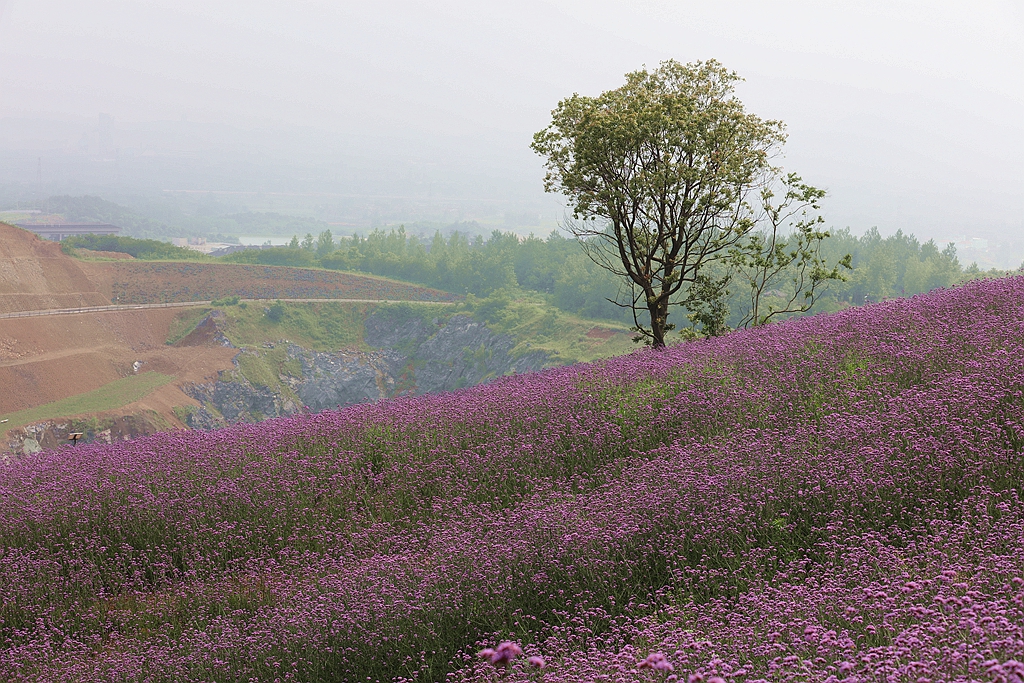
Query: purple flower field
[834, 498]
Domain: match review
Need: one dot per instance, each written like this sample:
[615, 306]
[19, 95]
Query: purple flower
[537, 662]
[657, 662]
[503, 654]
[376, 526]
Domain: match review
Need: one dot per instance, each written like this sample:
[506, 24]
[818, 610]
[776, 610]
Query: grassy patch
[258, 368]
[535, 325]
[117, 394]
[317, 326]
[264, 367]
[185, 322]
[538, 326]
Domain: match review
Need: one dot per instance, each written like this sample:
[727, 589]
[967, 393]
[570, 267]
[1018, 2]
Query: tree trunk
[659, 317]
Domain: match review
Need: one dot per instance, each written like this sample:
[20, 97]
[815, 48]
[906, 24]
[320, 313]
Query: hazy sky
[910, 112]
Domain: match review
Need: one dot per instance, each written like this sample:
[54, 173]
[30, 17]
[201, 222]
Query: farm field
[145, 282]
[833, 498]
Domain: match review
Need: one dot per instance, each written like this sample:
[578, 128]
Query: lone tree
[665, 177]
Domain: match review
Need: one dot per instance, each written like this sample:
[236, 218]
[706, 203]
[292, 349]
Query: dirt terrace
[50, 358]
[141, 282]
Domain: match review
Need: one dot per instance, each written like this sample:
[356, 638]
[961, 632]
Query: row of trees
[147, 249]
[559, 267]
[898, 265]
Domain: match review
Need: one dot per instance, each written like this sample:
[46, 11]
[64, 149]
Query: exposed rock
[201, 418]
[413, 356]
[208, 331]
[53, 434]
[342, 378]
[236, 400]
[389, 330]
[464, 353]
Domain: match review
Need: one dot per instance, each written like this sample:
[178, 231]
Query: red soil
[47, 358]
[602, 333]
[144, 282]
[35, 274]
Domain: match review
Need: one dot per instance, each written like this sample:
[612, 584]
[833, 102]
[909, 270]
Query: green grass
[326, 326]
[534, 324]
[317, 326]
[538, 325]
[186, 321]
[530, 320]
[112, 396]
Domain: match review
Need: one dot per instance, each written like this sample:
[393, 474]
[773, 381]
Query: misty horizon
[907, 113]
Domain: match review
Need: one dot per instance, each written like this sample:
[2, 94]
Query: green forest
[506, 265]
[557, 267]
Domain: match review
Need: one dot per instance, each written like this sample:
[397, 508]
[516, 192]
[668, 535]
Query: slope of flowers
[836, 498]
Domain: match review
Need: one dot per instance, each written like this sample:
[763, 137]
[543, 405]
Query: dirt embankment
[35, 274]
[51, 358]
[146, 282]
[47, 359]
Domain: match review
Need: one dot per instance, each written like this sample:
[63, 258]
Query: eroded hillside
[115, 374]
[35, 275]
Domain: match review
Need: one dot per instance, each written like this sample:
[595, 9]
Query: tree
[783, 263]
[658, 175]
[324, 244]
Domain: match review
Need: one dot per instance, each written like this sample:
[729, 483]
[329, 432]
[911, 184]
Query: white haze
[909, 111]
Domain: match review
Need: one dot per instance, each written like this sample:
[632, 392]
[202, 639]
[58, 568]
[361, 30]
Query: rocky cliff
[412, 355]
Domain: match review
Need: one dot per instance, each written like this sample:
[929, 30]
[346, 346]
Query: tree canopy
[558, 268]
[666, 177]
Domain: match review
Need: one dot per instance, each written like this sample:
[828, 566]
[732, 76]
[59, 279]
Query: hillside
[833, 498]
[116, 374]
[35, 275]
[47, 361]
[318, 356]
